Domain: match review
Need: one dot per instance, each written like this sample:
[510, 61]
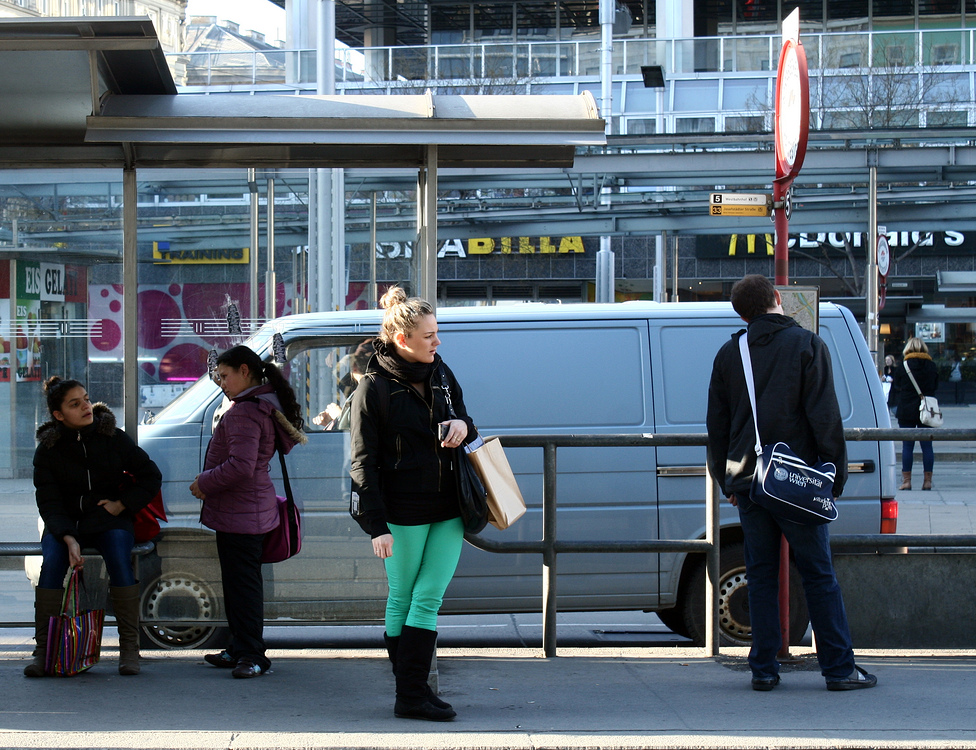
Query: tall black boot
[413, 656]
[47, 604]
[125, 602]
[392, 645]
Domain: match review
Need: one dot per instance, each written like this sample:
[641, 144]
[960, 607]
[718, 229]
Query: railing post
[712, 566]
[548, 549]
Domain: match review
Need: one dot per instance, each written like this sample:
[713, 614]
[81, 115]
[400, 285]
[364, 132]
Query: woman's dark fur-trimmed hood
[51, 431]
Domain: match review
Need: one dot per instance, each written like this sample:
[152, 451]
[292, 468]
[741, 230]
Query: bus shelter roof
[98, 93]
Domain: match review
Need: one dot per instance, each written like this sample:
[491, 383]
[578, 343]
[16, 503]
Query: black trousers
[240, 571]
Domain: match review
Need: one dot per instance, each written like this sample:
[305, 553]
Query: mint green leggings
[422, 564]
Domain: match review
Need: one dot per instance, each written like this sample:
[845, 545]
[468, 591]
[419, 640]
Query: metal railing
[550, 546]
[517, 58]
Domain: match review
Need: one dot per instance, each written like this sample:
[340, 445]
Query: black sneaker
[858, 680]
[223, 660]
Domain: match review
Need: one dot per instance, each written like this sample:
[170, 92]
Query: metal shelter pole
[130, 309]
[712, 566]
[326, 250]
[426, 261]
[872, 329]
[270, 285]
[252, 186]
[371, 290]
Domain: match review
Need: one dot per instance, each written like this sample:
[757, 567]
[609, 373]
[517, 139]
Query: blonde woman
[904, 398]
[403, 442]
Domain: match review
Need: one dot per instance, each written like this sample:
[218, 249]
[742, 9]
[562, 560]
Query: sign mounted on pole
[792, 114]
[884, 253]
[791, 125]
[740, 204]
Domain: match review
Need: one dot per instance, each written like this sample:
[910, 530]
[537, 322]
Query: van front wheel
[733, 602]
[180, 596]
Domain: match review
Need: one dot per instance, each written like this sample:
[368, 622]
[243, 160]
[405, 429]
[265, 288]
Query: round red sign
[792, 117]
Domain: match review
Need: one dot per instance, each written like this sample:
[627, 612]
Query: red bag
[147, 520]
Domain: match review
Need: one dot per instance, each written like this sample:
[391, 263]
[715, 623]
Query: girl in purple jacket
[238, 496]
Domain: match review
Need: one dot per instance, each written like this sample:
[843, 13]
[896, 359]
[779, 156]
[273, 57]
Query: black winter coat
[795, 397]
[395, 443]
[903, 396]
[74, 469]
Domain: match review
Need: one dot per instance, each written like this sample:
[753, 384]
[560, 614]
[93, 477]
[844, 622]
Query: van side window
[324, 373]
[687, 353]
[586, 376]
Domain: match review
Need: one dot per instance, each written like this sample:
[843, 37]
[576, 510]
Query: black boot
[47, 604]
[125, 602]
[413, 657]
[392, 645]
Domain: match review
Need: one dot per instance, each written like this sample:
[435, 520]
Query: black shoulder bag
[472, 498]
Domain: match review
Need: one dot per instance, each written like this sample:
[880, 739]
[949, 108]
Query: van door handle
[681, 471]
[861, 467]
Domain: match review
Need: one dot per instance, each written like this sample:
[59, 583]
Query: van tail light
[889, 515]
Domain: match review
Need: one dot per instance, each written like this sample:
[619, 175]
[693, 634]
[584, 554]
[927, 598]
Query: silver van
[638, 367]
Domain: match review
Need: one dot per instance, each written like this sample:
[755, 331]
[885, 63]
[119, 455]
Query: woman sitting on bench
[90, 481]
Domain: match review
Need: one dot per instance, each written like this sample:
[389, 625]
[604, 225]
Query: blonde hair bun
[395, 295]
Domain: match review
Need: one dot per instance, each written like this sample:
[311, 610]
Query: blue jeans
[115, 546]
[811, 552]
[908, 451]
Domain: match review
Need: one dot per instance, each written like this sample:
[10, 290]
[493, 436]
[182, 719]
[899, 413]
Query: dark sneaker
[246, 668]
[765, 684]
[223, 659]
[858, 680]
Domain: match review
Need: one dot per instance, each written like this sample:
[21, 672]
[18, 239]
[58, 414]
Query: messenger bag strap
[750, 385]
[912, 378]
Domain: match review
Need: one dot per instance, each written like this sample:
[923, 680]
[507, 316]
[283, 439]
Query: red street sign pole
[791, 124]
[781, 224]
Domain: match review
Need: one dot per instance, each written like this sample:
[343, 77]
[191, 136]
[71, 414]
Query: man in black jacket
[797, 405]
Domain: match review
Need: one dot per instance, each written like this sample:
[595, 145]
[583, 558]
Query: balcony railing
[860, 80]
[580, 58]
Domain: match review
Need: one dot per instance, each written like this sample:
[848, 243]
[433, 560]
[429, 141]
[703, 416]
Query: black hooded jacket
[74, 469]
[795, 398]
[395, 444]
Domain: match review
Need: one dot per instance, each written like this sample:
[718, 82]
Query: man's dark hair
[753, 295]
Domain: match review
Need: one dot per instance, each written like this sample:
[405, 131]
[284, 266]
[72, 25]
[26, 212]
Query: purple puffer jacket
[240, 497]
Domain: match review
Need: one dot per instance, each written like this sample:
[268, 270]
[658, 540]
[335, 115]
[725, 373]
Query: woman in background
[906, 400]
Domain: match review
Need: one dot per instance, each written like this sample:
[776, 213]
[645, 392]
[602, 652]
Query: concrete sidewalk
[594, 698]
[510, 698]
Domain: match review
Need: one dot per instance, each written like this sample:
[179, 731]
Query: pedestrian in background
[239, 500]
[90, 480]
[905, 400]
[797, 405]
[403, 446]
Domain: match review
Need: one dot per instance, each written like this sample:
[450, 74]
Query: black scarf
[410, 372]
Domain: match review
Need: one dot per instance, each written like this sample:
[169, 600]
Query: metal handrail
[549, 546]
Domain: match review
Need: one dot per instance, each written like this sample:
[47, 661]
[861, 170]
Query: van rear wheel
[733, 607]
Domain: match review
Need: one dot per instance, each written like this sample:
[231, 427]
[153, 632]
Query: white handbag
[929, 412]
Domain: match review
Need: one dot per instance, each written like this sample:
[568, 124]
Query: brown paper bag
[505, 503]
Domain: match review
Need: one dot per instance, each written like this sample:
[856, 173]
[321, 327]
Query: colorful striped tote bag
[74, 639]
